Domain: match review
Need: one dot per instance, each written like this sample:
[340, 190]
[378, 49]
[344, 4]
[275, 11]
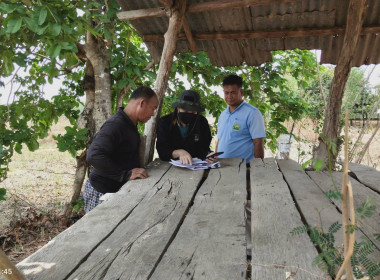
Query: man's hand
[138, 173]
[210, 158]
[184, 156]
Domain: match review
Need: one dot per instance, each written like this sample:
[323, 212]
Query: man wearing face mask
[184, 134]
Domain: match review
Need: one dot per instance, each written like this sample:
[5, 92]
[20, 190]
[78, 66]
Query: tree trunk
[85, 121]
[171, 36]
[97, 54]
[98, 104]
[330, 131]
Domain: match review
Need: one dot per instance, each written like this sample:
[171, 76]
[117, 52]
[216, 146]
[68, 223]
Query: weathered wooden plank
[366, 175]
[58, 258]
[274, 251]
[134, 248]
[360, 192]
[211, 242]
[316, 208]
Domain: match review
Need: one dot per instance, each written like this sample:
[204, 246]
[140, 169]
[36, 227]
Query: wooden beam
[139, 14]
[177, 14]
[228, 4]
[199, 7]
[189, 35]
[355, 16]
[264, 34]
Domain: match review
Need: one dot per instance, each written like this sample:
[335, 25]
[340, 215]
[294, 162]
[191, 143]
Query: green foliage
[40, 37]
[367, 208]
[128, 61]
[317, 164]
[357, 94]
[78, 206]
[333, 194]
[271, 92]
[331, 257]
[73, 141]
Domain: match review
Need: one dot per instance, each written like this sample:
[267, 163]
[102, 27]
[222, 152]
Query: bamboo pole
[348, 214]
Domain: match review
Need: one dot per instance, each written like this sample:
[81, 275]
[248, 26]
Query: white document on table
[198, 164]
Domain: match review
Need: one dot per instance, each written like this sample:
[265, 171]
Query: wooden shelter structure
[246, 31]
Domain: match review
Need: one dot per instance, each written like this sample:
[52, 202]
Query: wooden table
[183, 224]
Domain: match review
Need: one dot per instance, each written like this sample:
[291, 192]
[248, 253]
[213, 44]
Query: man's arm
[258, 148]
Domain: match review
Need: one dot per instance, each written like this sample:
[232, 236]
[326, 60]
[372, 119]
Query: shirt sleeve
[256, 125]
[163, 147]
[100, 153]
[219, 125]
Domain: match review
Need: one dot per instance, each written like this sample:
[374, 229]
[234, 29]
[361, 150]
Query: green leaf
[41, 29]
[3, 193]
[54, 50]
[6, 8]
[367, 208]
[335, 227]
[31, 24]
[42, 16]
[7, 66]
[305, 164]
[27, 2]
[18, 147]
[14, 25]
[32, 145]
[55, 29]
[69, 46]
[137, 71]
[20, 59]
[318, 164]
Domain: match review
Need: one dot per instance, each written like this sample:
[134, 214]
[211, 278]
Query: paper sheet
[198, 164]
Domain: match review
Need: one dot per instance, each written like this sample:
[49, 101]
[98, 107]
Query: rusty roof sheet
[302, 14]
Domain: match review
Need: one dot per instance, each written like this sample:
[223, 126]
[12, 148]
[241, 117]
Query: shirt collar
[237, 108]
[125, 116]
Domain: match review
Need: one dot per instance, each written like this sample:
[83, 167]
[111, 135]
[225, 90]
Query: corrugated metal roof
[302, 14]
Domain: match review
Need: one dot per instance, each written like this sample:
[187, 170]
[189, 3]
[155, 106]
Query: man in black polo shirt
[114, 153]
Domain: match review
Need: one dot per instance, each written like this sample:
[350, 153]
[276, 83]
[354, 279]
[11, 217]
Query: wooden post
[176, 15]
[330, 129]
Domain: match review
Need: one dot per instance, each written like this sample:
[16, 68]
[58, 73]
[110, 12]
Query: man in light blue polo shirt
[241, 129]
[241, 134]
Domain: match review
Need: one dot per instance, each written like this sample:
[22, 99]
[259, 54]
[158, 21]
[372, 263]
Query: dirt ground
[39, 184]
[301, 149]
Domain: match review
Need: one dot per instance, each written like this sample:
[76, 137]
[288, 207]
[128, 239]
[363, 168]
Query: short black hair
[233, 80]
[142, 92]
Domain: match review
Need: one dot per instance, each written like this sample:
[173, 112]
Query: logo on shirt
[236, 127]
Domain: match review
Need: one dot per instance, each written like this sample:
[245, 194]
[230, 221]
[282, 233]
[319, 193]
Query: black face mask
[186, 118]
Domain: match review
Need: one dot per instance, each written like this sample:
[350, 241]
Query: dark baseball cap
[190, 101]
